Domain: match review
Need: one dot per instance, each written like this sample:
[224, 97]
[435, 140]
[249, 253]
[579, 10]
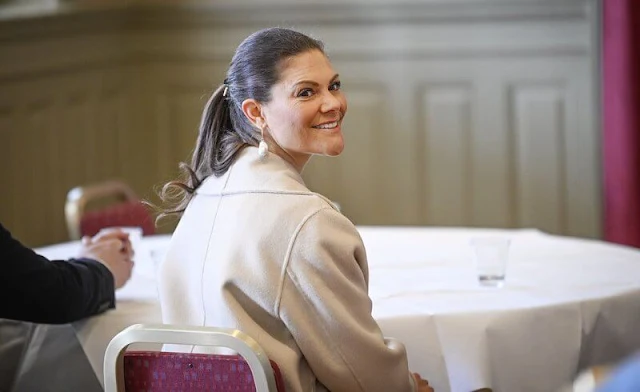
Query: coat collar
[249, 173]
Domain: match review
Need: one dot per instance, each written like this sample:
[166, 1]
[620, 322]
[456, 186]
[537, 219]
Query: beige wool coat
[257, 251]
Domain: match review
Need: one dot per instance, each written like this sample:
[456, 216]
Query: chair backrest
[153, 370]
[250, 370]
[125, 209]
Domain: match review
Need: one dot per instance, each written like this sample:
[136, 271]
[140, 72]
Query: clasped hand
[113, 249]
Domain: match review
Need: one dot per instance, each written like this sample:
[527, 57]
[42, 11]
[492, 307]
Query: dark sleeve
[35, 289]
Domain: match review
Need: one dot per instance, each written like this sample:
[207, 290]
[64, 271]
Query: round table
[567, 304]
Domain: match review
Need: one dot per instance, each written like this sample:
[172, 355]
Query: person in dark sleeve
[38, 290]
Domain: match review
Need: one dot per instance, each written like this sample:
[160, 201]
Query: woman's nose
[331, 102]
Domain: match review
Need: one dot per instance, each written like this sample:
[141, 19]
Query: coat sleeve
[35, 289]
[326, 307]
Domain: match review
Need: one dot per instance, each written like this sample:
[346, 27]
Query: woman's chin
[335, 149]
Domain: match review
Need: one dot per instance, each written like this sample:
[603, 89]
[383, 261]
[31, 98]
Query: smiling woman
[255, 249]
[305, 113]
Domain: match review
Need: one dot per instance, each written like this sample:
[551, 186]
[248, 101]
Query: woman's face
[305, 113]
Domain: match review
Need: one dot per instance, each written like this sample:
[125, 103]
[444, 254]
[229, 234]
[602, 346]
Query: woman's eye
[307, 92]
[336, 85]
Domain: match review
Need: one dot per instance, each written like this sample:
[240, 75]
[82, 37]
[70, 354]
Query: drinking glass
[490, 255]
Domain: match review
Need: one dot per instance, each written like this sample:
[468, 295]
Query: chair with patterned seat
[250, 370]
[107, 204]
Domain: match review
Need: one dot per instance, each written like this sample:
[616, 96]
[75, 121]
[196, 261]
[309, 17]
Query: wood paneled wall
[469, 113]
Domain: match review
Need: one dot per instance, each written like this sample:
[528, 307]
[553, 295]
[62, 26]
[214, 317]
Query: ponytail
[216, 148]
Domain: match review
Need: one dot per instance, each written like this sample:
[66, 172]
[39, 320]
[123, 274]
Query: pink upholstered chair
[114, 204]
[153, 371]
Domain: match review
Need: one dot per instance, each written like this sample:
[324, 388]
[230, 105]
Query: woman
[255, 249]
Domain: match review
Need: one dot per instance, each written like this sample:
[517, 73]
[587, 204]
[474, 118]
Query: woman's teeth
[327, 126]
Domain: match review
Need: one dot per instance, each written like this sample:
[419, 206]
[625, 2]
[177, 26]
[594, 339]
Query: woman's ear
[253, 110]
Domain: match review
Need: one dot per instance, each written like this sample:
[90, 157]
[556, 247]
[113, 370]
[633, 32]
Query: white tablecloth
[567, 304]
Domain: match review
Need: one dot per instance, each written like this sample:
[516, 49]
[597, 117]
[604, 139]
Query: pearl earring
[263, 149]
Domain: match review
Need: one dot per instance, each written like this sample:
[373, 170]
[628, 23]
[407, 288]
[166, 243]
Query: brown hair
[224, 129]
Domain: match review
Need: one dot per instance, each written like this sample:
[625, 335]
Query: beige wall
[471, 113]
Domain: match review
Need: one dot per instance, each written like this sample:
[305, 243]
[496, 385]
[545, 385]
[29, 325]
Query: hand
[421, 384]
[113, 249]
[111, 233]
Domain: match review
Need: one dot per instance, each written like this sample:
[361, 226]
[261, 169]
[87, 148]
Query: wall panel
[447, 127]
[462, 113]
[540, 166]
